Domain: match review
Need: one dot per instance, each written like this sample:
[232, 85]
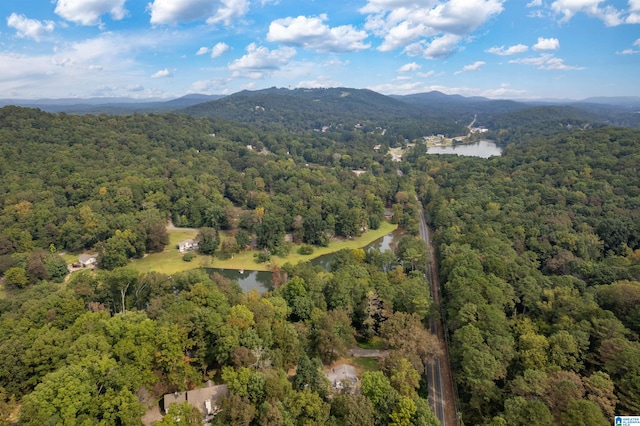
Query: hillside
[304, 109]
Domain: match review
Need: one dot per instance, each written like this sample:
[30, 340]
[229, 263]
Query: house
[342, 377]
[87, 260]
[205, 399]
[187, 245]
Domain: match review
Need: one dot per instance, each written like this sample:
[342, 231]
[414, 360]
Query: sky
[147, 49]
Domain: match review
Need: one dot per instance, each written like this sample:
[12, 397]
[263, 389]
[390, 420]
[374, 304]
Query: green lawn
[375, 343]
[366, 364]
[170, 260]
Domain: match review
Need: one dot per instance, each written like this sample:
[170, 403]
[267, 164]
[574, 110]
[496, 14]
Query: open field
[170, 260]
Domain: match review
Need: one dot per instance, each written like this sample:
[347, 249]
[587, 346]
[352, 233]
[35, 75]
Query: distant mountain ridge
[110, 105]
[301, 108]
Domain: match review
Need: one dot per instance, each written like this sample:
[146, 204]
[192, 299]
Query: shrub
[305, 249]
[188, 257]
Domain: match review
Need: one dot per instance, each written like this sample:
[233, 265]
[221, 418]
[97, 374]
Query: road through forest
[439, 377]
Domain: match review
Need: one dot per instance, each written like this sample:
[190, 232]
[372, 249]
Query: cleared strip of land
[170, 260]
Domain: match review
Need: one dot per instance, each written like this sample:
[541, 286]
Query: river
[482, 149]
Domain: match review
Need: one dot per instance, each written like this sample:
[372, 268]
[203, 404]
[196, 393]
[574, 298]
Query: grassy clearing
[170, 260]
[69, 257]
[366, 364]
[375, 343]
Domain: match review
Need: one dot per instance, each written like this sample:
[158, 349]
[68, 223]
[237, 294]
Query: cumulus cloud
[608, 14]
[29, 28]
[547, 44]
[427, 74]
[172, 12]
[321, 81]
[89, 12]
[508, 51]
[417, 25]
[409, 67]
[440, 47]
[631, 51]
[260, 58]
[216, 85]
[472, 67]
[219, 49]
[546, 61]
[312, 33]
[634, 12]
[161, 74]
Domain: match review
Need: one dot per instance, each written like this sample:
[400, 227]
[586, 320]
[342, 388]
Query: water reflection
[261, 280]
[248, 280]
[482, 149]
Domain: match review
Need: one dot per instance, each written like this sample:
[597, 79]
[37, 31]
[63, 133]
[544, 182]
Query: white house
[187, 245]
[87, 260]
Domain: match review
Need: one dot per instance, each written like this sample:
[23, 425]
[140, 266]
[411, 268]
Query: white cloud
[161, 74]
[634, 12]
[511, 50]
[219, 49]
[80, 68]
[427, 74]
[409, 67]
[86, 12]
[400, 89]
[229, 11]
[261, 58]
[440, 47]
[172, 12]
[29, 28]
[501, 92]
[546, 61]
[410, 24]
[322, 81]
[569, 8]
[218, 86]
[312, 33]
[472, 67]
[534, 3]
[547, 44]
[631, 51]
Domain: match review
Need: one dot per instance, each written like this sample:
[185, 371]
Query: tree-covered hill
[524, 125]
[335, 109]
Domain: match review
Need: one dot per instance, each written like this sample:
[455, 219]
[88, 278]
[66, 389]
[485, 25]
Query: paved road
[368, 353]
[440, 384]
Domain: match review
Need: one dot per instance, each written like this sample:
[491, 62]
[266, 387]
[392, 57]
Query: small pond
[482, 149]
[261, 280]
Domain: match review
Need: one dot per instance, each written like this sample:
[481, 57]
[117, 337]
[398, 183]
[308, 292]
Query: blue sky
[568, 49]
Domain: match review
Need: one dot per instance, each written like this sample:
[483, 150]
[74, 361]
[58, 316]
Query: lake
[482, 149]
[261, 280]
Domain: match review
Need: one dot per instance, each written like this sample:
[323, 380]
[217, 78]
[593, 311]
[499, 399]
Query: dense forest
[101, 348]
[538, 253]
